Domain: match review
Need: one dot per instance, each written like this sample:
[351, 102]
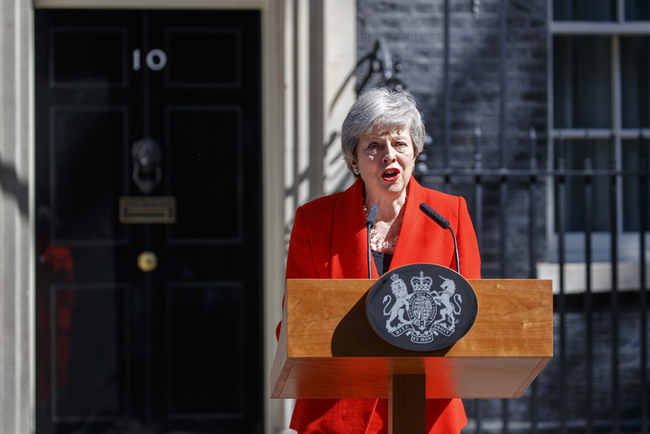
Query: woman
[381, 137]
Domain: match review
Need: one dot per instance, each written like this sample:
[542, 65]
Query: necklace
[378, 242]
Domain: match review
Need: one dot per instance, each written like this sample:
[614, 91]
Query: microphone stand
[443, 223]
[370, 223]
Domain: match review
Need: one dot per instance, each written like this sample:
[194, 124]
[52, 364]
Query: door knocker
[147, 157]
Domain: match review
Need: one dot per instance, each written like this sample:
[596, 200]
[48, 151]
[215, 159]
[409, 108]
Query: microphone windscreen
[372, 215]
[433, 215]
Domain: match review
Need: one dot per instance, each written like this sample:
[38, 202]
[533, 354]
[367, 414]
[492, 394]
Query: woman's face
[385, 162]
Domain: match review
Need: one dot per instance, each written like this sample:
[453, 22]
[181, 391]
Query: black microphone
[443, 223]
[370, 223]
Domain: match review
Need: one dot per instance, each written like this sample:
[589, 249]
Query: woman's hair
[379, 111]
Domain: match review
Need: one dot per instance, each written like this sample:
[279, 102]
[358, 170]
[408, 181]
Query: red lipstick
[390, 174]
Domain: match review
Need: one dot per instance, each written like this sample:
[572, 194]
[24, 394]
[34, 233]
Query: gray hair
[381, 110]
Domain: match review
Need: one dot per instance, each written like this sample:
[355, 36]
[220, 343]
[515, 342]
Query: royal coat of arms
[429, 312]
[423, 307]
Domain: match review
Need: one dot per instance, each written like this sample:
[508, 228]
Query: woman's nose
[389, 155]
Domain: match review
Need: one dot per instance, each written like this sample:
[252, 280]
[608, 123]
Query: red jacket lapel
[420, 239]
[349, 239]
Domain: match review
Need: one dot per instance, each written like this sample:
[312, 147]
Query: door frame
[21, 345]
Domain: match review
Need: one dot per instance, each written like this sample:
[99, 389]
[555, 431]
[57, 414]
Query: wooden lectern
[327, 349]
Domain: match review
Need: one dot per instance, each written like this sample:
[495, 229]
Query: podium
[327, 349]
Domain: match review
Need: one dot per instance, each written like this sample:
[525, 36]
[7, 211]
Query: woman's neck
[389, 221]
[390, 209]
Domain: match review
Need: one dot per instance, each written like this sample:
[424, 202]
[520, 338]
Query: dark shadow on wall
[11, 185]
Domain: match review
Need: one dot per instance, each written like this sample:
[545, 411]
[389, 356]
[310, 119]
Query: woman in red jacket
[381, 137]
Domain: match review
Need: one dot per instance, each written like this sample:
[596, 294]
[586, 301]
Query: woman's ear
[355, 168]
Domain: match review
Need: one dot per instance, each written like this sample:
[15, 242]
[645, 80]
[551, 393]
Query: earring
[356, 172]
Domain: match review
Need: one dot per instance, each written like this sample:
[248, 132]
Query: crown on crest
[397, 283]
[421, 283]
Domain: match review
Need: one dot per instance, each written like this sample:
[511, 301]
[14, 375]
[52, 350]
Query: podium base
[407, 403]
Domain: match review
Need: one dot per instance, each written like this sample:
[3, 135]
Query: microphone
[370, 223]
[443, 223]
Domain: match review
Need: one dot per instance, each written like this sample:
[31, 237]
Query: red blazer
[328, 240]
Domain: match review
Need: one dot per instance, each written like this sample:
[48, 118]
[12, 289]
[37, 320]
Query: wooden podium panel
[327, 349]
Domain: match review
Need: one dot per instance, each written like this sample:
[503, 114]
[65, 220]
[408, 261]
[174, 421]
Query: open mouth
[390, 174]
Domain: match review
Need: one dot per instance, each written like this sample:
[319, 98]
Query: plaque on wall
[148, 210]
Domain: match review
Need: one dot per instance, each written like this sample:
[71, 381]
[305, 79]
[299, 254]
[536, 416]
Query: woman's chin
[388, 190]
[395, 189]
[399, 185]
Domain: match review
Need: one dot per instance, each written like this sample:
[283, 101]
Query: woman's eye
[373, 147]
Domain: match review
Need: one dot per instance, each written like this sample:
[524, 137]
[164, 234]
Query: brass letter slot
[148, 210]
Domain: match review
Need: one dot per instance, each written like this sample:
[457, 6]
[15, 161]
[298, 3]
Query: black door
[148, 201]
